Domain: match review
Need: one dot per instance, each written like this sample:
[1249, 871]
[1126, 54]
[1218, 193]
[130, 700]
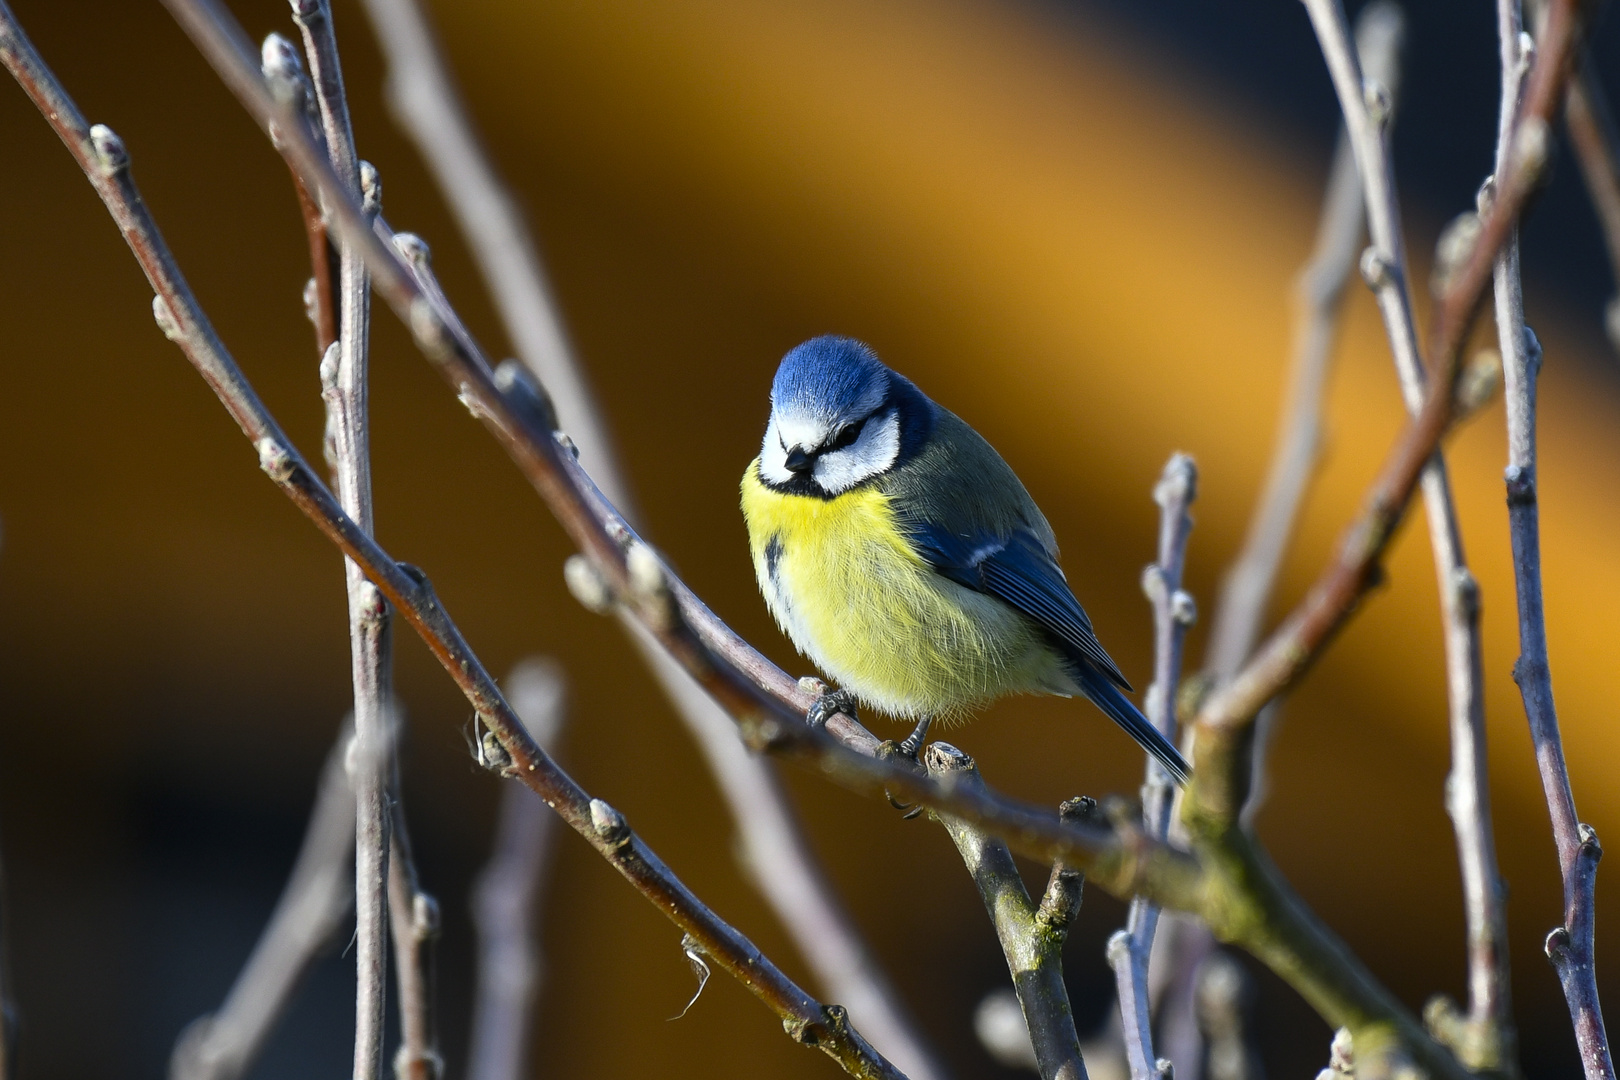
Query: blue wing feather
[1019, 571]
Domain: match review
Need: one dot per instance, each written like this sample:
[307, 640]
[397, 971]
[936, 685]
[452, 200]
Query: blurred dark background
[1074, 223]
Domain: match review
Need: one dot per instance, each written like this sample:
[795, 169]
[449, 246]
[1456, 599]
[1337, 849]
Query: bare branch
[775, 853]
[1485, 1039]
[506, 895]
[313, 904]
[1225, 999]
[413, 917]
[344, 379]
[1031, 938]
[105, 162]
[1173, 612]
[1570, 946]
[1597, 148]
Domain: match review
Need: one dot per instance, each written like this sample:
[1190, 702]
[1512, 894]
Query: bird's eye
[846, 437]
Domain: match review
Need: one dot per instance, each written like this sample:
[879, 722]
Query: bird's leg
[829, 704]
[913, 742]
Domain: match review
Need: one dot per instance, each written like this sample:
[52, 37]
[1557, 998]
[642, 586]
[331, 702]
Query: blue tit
[904, 557]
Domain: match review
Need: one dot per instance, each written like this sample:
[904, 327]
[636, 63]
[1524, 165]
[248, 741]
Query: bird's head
[835, 418]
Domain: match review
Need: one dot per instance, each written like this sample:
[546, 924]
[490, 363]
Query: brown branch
[1570, 946]
[284, 71]
[344, 387]
[506, 894]
[1485, 1038]
[223, 1045]
[1129, 949]
[1232, 884]
[105, 162]
[1031, 937]
[1590, 123]
[774, 851]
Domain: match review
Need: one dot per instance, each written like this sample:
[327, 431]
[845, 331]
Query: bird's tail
[1106, 696]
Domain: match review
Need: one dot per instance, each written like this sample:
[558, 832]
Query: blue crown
[836, 378]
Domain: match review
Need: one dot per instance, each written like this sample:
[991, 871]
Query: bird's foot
[907, 748]
[829, 704]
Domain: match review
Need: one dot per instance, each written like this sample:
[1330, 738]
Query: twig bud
[429, 329]
[274, 459]
[567, 444]
[650, 586]
[370, 189]
[425, 918]
[1375, 97]
[1183, 608]
[1532, 352]
[1465, 588]
[1178, 483]
[944, 760]
[283, 71]
[1376, 269]
[1118, 950]
[1478, 382]
[312, 302]
[585, 581]
[329, 367]
[525, 395]
[413, 248]
[608, 823]
[1453, 250]
[164, 317]
[1530, 148]
[112, 157]
[1486, 195]
[373, 605]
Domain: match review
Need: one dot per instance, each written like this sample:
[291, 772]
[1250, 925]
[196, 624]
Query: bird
[903, 556]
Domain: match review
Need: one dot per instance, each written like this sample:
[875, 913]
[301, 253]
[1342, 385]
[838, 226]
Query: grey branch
[105, 161]
[1225, 998]
[506, 896]
[223, 1045]
[344, 379]
[413, 918]
[1031, 937]
[1570, 946]
[1486, 1037]
[426, 102]
[1130, 949]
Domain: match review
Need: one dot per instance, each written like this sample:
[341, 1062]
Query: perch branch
[344, 388]
[105, 162]
[506, 894]
[1031, 937]
[1242, 892]
[1570, 946]
[1173, 612]
[223, 1045]
[1483, 1038]
[1597, 150]
[1246, 591]
[777, 857]
[1245, 899]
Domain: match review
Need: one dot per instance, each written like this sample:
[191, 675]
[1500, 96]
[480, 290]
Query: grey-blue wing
[1018, 571]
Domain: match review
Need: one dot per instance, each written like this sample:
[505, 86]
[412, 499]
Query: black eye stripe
[846, 437]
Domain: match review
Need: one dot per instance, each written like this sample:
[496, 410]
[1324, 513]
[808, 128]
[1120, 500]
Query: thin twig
[506, 895]
[1484, 1038]
[1224, 999]
[1129, 949]
[426, 102]
[1597, 149]
[1236, 885]
[1246, 591]
[223, 1045]
[1031, 937]
[413, 918]
[344, 380]
[1570, 946]
[105, 161]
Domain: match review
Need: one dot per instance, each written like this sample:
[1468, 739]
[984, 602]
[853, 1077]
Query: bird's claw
[829, 704]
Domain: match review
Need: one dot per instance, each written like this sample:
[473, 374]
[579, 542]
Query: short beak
[798, 461]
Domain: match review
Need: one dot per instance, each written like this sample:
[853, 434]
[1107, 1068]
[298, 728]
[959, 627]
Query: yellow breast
[844, 583]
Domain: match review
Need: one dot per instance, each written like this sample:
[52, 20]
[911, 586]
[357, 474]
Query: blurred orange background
[1029, 214]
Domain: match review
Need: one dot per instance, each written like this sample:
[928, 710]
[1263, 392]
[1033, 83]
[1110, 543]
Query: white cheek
[876, 449]
[772, 456]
